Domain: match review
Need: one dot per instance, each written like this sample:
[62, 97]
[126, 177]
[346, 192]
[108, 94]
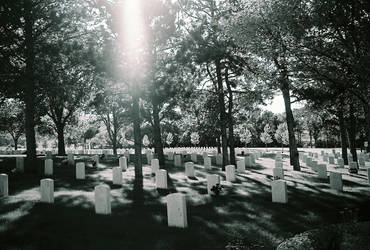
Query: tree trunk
[114, 144]
[223, 122]
[138, 183]
[218, 144]
[114, 132]
[343, 136]
[29, 89]
[351, 128]
[158, 145]
[15, 139]
[294, 157]
[61, 144]
[367, 125]
[310, 139]
[231, 121]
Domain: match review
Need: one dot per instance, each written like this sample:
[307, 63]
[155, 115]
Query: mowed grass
[242, 217]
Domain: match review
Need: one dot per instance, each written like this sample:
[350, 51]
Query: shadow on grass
[243, 213]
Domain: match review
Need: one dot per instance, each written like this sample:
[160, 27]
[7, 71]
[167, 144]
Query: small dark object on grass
[94, 164]
[216, 189]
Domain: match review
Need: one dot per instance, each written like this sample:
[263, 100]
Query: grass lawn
[243, 215]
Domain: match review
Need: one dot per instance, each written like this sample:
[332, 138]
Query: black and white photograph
[184, 124]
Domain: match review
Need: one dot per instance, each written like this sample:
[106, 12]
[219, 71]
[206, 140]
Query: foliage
[281, 134]
[194, 137]
[169, 139]
[146, 141]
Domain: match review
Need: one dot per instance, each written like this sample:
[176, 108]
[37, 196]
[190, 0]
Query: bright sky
[277, 105]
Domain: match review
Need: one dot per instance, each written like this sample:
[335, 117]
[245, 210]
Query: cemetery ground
[241, 217]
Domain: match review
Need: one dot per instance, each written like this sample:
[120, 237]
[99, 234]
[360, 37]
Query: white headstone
[309, 162]
[48, 167]
[194, 157]
[279, 191]
[240, 165]
[278, 173]
[248, 161]
[314, 165]
[321, 170]
[71, 159]
[212, 180]
[361, 161]
[331, 160]
[178, 160]
[207, 163]
[336, 181]
[117, 175]
[80, 171]
[102, 199]
[325, 158]
[4, 185]
[96, 160]
[341, 162]
[205, 154]
[161, 178]
[219, 159]
[47, 190]
[253, 158]
[154, 165]
[176, 210]
[230, 173]
[353, 167]
[189, 169]
[170, 156]
[123, 163]
[278, 164]
[19, 161]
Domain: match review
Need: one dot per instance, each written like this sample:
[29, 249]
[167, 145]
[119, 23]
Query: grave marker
[70, 159]
[48, 167]
[123, 163]
[230, 173]
[176, 210]
[340, 162]
[178, 160]
[96, 160]
[278, 164]
[331, 160]
[154, 166]
[102, 199]
[117, 175]
[212, 180]
[219, 159]
[248, 161]
[194, 157]
[170, 156]
[161, 178]
[278, 173]
[80, 171]
[189, 169]
[4, 185]
[19, 161]
[47, 190]
[321, 169]
[279, 191]
[207, 163]
[240, 165]
[336, 181]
